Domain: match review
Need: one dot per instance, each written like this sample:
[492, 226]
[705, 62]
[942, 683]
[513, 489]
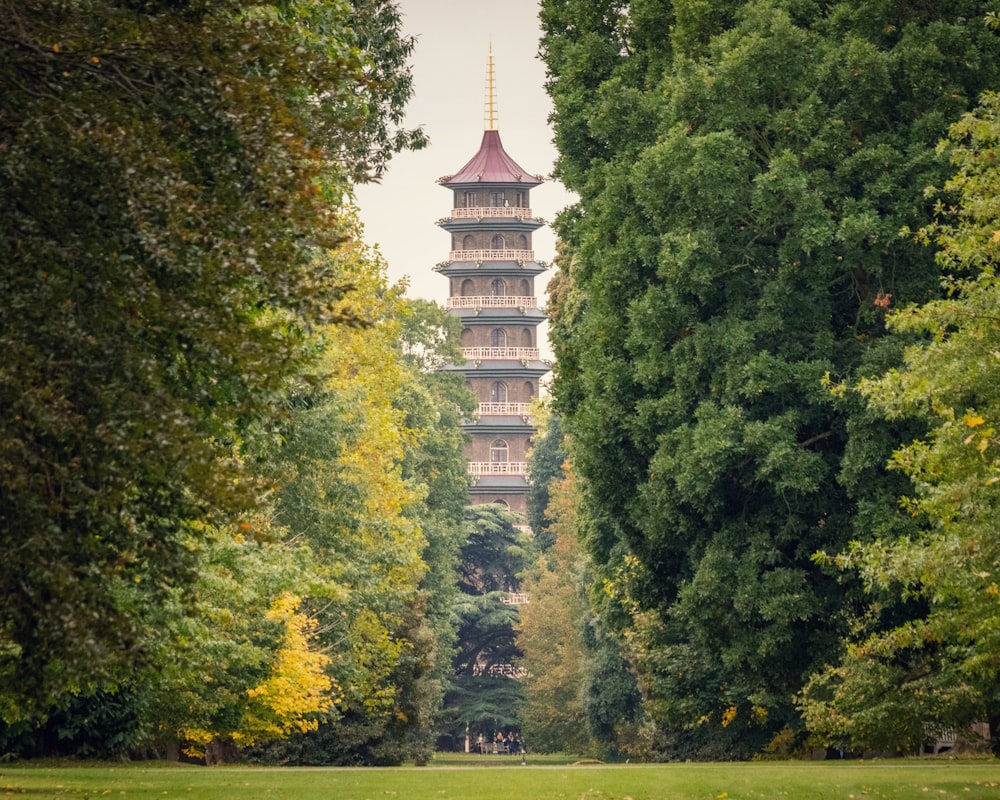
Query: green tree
[579, 694]
[483, 695]
[374, 482]
[901, 687]
[545, 464]
[165, 205]
[434, 404]
[742, 182]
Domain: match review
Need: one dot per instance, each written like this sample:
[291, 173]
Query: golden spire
[490, 117]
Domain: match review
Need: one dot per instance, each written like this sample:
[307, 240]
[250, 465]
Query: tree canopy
[743, 172]
[938, 672]
[174, 187]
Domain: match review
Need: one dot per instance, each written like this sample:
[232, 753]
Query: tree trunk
[220, 751]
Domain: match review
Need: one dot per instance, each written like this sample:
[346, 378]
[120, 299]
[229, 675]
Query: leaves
[173, 184]
[741, 185]
[941, 665]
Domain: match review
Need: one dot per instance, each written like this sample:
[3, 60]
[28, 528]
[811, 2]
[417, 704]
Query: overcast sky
[449, 70]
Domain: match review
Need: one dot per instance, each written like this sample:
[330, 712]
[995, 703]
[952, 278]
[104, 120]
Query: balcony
[482, 468]
[492, 255]
[485, 212]
[500, 353]
[491, 301]
[514, 599]
[499, 670]
[503, 409]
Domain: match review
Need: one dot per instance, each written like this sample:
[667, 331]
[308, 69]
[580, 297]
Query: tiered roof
[491, 164]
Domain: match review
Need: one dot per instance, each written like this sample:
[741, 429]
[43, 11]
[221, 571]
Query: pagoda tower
[491, 273]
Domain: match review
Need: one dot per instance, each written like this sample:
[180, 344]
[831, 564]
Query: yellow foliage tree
[298, 687]
[295, 691]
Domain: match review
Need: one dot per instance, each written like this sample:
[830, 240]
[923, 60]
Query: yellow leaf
[996, 236]
[983, 444]
[972, 420]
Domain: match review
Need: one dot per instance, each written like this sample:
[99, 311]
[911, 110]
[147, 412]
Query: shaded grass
[508, 780]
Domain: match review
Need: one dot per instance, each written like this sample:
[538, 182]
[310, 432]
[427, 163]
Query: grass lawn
[506, 779]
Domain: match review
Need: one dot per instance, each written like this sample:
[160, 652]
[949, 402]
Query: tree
[742, 182]
[898, 688]
[374, 483]
[484, 694]
[550, 634]
[579, 693]
[172, 182]
[545, 462]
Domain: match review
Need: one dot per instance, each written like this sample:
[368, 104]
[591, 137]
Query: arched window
[498, 288]
[498, 451]
[497, 243]
[523, 242]
[498, 337]
[526, 337]
[529, 390]
[501, 502]
[498, 392]
[468, 337]
[468, 287]
[525, 288]
[469, 242]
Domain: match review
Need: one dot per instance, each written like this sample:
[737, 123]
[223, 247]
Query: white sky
[449, 71]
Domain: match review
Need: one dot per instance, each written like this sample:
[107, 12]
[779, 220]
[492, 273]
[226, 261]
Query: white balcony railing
[492, 255]
[514, 599]
[500, 353]
[481, 212]
[499, 670]
[498, 468]
[491, 301]
[503, 409]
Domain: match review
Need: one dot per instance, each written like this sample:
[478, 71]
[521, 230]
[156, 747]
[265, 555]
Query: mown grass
[507, 779]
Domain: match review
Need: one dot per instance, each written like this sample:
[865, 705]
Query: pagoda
[491, 273]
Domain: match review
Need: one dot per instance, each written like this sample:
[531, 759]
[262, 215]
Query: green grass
[507, 779]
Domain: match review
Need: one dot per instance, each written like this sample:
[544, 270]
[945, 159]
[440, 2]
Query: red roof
[491, 165]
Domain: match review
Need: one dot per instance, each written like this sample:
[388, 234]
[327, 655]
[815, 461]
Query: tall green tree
[743, 171]
[172, 175]
[484, 695]
[545, 463]
[902, 687]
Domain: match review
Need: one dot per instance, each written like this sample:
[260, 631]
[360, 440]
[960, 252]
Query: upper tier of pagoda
[490, 164]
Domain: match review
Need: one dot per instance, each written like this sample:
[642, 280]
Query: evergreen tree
[484, 695]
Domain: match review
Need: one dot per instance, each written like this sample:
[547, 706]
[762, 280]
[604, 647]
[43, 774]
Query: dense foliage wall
[743, 172]
[231, 490]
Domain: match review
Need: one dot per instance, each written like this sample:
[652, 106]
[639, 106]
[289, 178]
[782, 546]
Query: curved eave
[519, 225]
[511, 369]
[529, 182]
[493, 482]
[499, 425]
[469, 268]
[499, 316]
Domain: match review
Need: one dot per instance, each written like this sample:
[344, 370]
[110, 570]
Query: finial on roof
[491, 95]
